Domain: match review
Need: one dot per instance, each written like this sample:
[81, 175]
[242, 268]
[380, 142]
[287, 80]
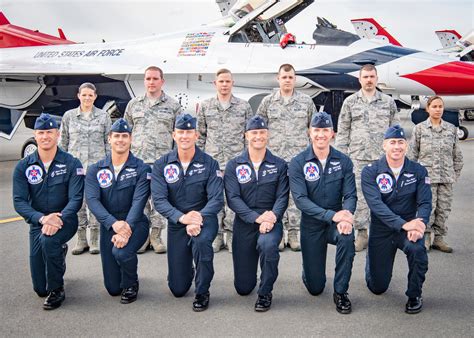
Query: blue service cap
[121, 126]
[395, 132]
[185, 122]
[256, 122]
[321, 120]
[45, 122]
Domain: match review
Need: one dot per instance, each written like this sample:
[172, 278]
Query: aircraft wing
[369, 28]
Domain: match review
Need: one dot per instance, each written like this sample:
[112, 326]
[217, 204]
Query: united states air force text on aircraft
[79, 53]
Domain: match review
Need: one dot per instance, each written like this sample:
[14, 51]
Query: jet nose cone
[452, 78]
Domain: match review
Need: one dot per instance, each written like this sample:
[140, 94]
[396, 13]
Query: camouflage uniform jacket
[152, 126]
[438, 150]
[362, 125]
[85, 138]
[287, 122]
[222, 130]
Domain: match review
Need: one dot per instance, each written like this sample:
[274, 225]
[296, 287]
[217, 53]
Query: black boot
[343, 304]
[201, 302]
[263, 302]
[129, 295]
[414, 305]
[54, 299]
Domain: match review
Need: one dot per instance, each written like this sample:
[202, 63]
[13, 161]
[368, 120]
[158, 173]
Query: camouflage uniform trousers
[86, 218]
[225, 218]
[442, 201]
[292, 216]
[362, 213]
[157, 221]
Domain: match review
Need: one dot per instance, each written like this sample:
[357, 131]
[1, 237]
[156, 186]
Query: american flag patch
[148, 176]
[427, 180]
[80, 172]
[219, 173]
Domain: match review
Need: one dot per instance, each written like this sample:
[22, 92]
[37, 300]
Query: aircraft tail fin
[16, 36]
[368, 28]
[448, 37]
[3, 19]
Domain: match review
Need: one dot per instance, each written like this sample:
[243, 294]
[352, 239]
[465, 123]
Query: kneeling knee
[179, 291]
[244, 291]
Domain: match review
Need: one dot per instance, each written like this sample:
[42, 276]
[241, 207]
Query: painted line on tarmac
[8, 220]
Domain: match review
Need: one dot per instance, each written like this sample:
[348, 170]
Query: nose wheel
[463, 133]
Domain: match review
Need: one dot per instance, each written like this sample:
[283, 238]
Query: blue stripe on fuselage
[334, 75]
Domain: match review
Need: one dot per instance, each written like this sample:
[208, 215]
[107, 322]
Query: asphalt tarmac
[90, 311]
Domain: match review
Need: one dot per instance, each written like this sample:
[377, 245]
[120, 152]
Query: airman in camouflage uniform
[152, 118]
[364, 117]
[434, 144]
[221, 124]
[84, 132]
[288, 114]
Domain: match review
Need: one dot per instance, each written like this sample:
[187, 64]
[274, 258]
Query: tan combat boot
[427, 239]
[156, 242]
[293, 240]
[218, 243]
[228, 238]
[81, 244]
[144, 246]
[362, 240]
[94, 247]
[441, 245]
[281, 246]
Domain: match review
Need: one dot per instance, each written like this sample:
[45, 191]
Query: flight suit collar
[131, 161]
[245, 157]
[310, 155]
[198, 156]
[383, 166]
[59, 157]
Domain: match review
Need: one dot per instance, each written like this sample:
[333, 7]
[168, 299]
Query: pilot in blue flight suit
[257, 190]
[47, 192]
[323, 186]
[398, 194]
[187, 188]
[117, 189]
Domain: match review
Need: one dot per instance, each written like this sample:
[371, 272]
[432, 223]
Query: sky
[412, 23]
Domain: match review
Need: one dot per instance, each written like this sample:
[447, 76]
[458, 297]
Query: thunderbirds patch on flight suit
[171, 173]
[34, 174]
[311, 172]
[385, 183]
[244, 174]
[104, 177]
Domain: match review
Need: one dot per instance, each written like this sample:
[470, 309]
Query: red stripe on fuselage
[453, 78]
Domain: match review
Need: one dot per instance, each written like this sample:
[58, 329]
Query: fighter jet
[246, 41]
[369, 28]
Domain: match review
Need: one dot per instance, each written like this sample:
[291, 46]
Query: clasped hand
[123, 231]
[52, 223]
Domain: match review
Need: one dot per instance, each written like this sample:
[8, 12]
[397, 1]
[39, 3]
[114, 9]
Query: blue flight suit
[392, 203]
[249, 197]
[36, 194]
[320, 193]
[113, 199]
[176, 193]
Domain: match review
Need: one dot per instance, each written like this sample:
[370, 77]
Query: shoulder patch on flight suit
[34, 174]
[385, 183]
[104, 177]
[171, 173]
[311, 172]
[244, 174]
